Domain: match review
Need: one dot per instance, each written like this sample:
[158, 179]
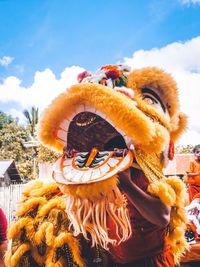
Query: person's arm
[151, 208]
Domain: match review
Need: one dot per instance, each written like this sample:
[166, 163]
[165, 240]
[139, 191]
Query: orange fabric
[147, 244]
[193, 190]
[193, 181]
[194, 167]
[193, 254]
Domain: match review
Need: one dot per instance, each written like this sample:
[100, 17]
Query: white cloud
[189, 2]
[44, 89]
[182, 60]
[6, 60]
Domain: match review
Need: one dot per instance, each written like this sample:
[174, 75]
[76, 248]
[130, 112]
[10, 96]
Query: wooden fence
[9, 198]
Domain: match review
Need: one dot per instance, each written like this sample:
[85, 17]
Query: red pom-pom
[171, 150]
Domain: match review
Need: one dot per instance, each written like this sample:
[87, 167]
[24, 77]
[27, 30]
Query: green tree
[32, 119]
[12, 137]
[46, 155]
[5, 119]
[187, 149]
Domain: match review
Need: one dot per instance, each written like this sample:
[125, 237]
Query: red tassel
[171, 150]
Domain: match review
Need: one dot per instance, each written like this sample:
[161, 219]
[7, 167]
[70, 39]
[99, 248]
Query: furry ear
[179, 125]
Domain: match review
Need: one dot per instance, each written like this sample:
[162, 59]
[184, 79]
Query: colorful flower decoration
[109, 75]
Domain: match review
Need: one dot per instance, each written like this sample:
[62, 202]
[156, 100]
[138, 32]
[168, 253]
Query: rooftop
[9, 167]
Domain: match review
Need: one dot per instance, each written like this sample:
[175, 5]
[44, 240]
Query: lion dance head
[103, 124]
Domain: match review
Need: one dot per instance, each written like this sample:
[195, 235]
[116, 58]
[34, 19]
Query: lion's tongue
[85, 168]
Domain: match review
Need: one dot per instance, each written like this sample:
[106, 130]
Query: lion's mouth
[94, 149]
[88, 130]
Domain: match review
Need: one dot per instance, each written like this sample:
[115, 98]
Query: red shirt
[147, 239]
[3, 226]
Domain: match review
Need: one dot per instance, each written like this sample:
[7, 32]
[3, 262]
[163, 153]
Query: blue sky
[59, 33]
[44, 44]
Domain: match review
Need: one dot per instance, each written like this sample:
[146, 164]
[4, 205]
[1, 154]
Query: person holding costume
[193, 174]
[110, 203]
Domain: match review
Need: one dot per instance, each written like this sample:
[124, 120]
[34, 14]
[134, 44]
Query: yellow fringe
[45, 232]
[44, 190]
[172, 192]
[58, 203]
[34, 185]
[49, 260]
[30, 204]
[15, 258]
[16, 228]
[36, 256]
[73, 244]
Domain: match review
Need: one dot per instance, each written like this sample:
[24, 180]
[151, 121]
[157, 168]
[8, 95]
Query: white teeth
[63, 143]
[80, 109]
[112, 162]
[96, 173]
[67, 169]
[104, 169]
[111, 123]
[120, 131]
[77, 177]
[86, 176]
[64, 125]
[68, 175]
[62, 135]
[127, 140]
[72, 116]
[132, 147]
[90, 109]
[101, 114]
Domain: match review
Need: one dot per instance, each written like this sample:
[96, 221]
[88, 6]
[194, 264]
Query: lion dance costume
[110, 121]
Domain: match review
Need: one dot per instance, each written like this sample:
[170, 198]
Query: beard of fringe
[89, 216]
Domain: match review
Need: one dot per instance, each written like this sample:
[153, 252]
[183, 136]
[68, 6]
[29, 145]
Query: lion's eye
[152, 99]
